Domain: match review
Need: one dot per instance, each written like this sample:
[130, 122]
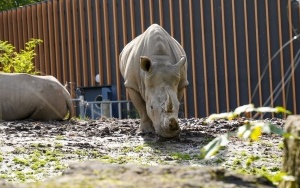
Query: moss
[20, 175]
[281, 145]
[58, 145]
[138, 148]
[180, 156]
[81, 152]
[220, 160]
[107, 159]
[21, 161]
[236, 162]
[59, 137]
[243, 153]
[266, 144]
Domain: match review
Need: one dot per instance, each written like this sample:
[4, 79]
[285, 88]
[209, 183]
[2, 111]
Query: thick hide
[24, 96]
[154, 68]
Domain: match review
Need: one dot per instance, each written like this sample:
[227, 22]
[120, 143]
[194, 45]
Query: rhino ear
[145, 63]
[181, 62]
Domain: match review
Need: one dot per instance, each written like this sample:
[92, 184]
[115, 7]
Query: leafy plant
[250, 130]
[14, 62]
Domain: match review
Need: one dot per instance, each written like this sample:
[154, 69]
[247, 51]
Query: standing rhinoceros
[154, 68]
[24, 96]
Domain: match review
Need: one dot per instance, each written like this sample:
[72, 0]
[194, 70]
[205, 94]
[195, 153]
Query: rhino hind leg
[146, 125]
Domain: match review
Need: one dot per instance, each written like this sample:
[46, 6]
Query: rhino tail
[70, 108]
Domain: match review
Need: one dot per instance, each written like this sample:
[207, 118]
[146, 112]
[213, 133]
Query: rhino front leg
[146, 125]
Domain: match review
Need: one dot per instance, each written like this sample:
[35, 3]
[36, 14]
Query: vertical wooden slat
[257, 53]
[292, 58]
[193, 57]
[151, 11]
[124, 22]
[56, 39]
[46, 39]
[269, 53]
[142, 10]
[171, 17]
[40, 35]
[225, 57]
[70, 43]
[161, 15]
[204, 59]
[132, 19]
[15, 29]
[19, 30]
[214, 56]
[83, 43]
[35, 35]
[236, 67]
[116, 30]
[107, 45]
[29, 22]
[24, 25]
[63, 41]
[51, 39]
[281, 54]
[76, 42]
[99, 41]
[91, 43]
[10, 27]
[5, 25]
[247, 53]
[182, 44]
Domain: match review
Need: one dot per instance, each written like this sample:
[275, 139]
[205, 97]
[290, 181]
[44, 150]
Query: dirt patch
[34, 151]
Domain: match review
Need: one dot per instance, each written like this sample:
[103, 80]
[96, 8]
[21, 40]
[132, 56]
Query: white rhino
[154, 68]
[24, 96]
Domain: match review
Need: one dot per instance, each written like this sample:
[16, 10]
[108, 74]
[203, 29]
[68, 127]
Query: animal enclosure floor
[32, 151]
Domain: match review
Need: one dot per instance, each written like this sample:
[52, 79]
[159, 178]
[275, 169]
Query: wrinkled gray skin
[26, 96]
[154, 68]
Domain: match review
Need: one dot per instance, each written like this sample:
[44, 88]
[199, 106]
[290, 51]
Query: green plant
[250, 130]
[14, 62]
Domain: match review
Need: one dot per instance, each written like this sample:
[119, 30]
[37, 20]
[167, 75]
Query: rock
[291, 160]
[97, 174]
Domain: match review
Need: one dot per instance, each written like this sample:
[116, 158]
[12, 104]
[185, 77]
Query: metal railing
[102, 108]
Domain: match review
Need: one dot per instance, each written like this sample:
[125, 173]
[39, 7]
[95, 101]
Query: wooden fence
[228, 43]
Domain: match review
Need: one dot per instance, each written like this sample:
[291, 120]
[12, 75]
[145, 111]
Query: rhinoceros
[154, 67]
[24, 96]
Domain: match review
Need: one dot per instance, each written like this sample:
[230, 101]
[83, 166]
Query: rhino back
[25, 96]
[154, 43]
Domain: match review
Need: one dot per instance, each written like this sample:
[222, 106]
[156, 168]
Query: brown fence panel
[229, 46]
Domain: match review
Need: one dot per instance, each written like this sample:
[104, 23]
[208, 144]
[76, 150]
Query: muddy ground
[32, 152]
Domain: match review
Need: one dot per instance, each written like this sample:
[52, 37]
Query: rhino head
[161, 94]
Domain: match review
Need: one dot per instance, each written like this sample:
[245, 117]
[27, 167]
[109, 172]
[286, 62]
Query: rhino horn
[181, 62]
[169, 104]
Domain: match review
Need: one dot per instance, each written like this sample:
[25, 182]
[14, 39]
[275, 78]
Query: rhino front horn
[169, 104]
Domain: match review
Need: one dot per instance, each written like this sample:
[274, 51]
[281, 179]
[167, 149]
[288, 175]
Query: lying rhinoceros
[154, 68]
[24, 96]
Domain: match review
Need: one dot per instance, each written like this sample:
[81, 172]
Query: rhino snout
[173, 124]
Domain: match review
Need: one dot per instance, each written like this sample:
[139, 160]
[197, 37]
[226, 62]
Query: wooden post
[291, 153]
